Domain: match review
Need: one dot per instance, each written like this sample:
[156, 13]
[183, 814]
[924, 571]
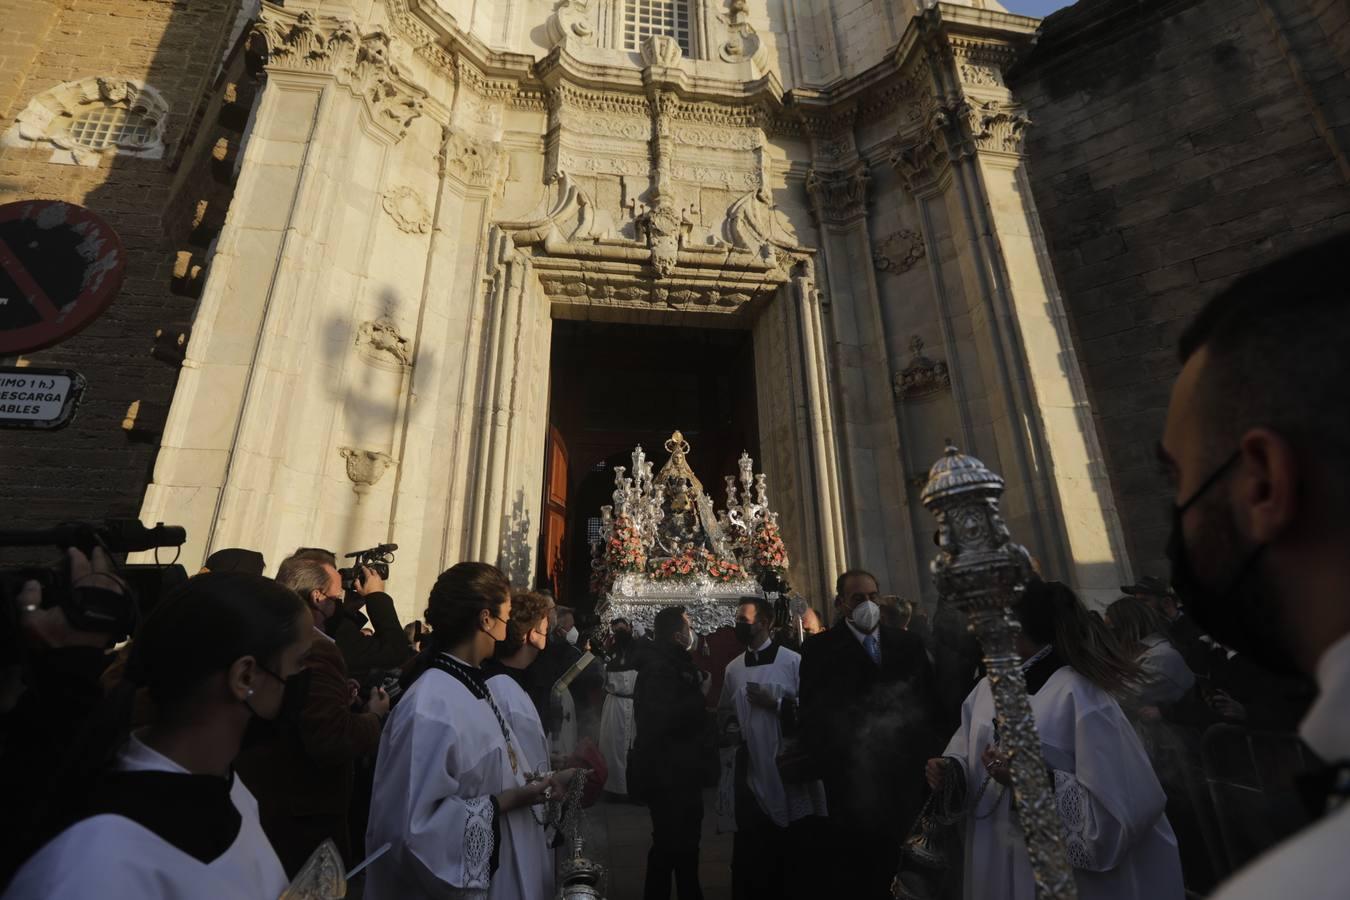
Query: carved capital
[996, 127]
[365, 467]
[305, 42]
[899, 252]
[839, 197]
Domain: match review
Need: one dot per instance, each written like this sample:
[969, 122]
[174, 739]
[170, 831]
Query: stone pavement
[619, 834]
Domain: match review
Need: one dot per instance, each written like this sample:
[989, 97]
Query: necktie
[873, 648]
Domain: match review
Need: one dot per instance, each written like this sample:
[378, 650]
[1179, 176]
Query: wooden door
[553, 543]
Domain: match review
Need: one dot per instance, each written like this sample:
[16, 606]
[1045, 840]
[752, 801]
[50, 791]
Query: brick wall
[1173, 148]
[95, 467]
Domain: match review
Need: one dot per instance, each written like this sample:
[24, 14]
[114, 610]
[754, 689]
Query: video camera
[377, 559]
[91, 607]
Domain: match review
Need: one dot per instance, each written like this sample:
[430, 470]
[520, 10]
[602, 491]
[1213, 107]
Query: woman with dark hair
[1120, 843]
[1142, 633]
[453, 793]
[162, 813]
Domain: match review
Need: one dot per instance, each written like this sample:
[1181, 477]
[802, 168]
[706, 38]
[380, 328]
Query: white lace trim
[1072, 802]
[478, 845]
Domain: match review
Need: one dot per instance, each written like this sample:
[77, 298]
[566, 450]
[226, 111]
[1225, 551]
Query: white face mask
[691, 642]
[572, 635]
[866, 616]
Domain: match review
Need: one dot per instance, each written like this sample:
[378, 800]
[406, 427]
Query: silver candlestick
[981, 571]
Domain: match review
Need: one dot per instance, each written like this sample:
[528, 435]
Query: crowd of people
[1186, 729]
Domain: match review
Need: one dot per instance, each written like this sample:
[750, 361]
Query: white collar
[321, 633]
[1326, 727]
[137, 756]
[762, 647]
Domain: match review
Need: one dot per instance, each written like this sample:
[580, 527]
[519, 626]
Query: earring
[249, 694]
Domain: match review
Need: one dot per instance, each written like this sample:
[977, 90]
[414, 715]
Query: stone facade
[1176, 146]
[417, 189]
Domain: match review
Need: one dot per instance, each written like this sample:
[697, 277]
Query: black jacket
[387, 648]
[672, 721]
[869, 728]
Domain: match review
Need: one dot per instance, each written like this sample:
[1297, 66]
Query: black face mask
[743, 633]
[293, 699]
[1239, 614]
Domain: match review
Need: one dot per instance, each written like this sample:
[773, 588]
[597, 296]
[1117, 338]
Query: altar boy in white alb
[768, 812]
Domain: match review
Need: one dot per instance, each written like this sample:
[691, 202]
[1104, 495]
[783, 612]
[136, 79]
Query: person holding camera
[302, 772]
[158, 813]
[388, 648]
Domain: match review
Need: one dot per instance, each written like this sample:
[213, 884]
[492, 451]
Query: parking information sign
[38, 398]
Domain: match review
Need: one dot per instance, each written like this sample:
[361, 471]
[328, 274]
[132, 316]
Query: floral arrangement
[768, 552]
[689, 563]
[624, 552]
[725, 571]
[697, 561]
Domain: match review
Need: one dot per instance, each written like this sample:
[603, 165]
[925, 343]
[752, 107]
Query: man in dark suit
[867, 702]
[302, 772]
[672, 755]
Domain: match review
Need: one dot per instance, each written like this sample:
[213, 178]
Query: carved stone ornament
[923, 377]
[51, 119]
[661, 50]
[407, 210]
[379, 342]
[664, 228]
[571, 21]
[473, 161]
[899, 252]
[838, 197]
[996, 127]
[305, 42]
[744, 42]
[365, 467]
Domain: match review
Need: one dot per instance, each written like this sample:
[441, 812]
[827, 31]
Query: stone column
[961, 147]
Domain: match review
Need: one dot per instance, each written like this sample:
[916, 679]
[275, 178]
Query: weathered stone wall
[97, 467]
[1175, 146]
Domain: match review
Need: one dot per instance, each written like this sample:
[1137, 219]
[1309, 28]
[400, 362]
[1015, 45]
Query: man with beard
[867, 704]
[1256, 444]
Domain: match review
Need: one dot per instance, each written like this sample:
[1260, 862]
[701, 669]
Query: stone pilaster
[960, 153]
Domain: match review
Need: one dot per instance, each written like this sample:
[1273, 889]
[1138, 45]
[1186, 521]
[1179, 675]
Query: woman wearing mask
[162, 814]
[452, 794]
[1119, 843]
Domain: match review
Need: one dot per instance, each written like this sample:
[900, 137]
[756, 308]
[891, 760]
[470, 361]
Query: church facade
[401, 215]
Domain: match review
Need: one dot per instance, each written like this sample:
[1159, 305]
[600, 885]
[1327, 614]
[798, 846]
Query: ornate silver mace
[980, 571]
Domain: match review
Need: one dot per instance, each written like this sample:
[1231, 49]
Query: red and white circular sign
[60, 267]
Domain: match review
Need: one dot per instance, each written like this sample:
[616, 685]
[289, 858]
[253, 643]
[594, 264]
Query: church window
[644, 18]
[84, 121]
[107, 126]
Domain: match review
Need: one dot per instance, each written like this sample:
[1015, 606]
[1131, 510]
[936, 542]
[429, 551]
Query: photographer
[302, 770]
[388, 647]
[51, 689]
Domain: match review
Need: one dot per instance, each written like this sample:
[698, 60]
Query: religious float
[662, 543]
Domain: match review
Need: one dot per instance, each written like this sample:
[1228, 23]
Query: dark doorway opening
[614, 386]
